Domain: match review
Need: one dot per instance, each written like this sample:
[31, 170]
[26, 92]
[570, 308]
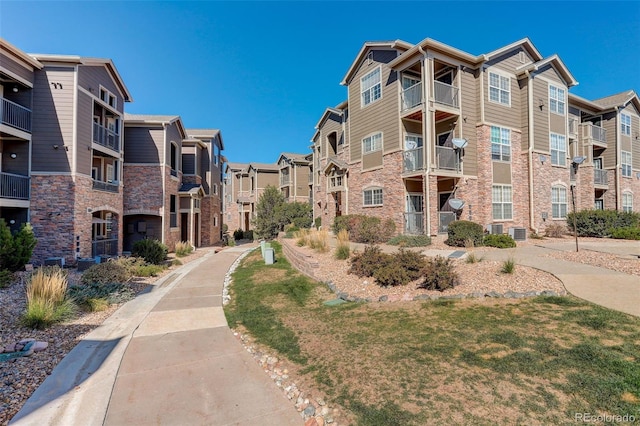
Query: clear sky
[264, 72]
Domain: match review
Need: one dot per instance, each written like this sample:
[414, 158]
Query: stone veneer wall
[545, 176]
[171, 186]
[631, 184]
[143, 188]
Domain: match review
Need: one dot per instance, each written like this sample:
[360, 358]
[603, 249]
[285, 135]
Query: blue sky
[263, 72]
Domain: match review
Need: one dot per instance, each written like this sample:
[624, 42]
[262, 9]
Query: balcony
[105, 137]
[285, 180]
[444, 219]
[446, 94]
[15, 115]
[411, 96]
[596, 133]
[413, 160]
[447, 159]
[600, 177]
[105, 186]
[573, 127]
[14, 186]
[413, 223]
[107, 247]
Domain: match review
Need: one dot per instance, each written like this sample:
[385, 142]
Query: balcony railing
[412, 96]
[14, 186]
[311, 177]
[413, 160]
[597, 133]
[573, 126]
[600, 177]
[413, 223]
[108, 247]
[445, 94]
[105, 137]
[285, 180]
[444, 219]
[447, 158]
[15, 115]
[105, 186]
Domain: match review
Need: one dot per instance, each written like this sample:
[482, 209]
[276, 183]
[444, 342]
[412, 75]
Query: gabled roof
[19, 54]
[580, 101]
[556, 63]
[161, 120]
[431, 44]
[296, 158]
[206, 134]
[237, 166]
[325, 116]
[525, 43]
[617, 100]
[395, 44]
[264, 167]
[191, 188]
[334, 162]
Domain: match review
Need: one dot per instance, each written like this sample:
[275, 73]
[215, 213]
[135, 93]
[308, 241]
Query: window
[372, 143]
[627, 202]
[502, 203]
[500, 144]
[558, 149]
[625, 157]
[173, 212]
[625, 124]
[556, 100]
[599, 204]
[558, 202]
[174, 156]
[110, 173]
[215, 221]
[108, 97]
[499, 89]
[370, 87]
[372, 197]
[215, 189]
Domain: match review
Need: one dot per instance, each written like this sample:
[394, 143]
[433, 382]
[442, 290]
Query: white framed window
[371, 87]
[599, 204]
[558, 145]
[625, 124]
[500, 144]
[557, 100]
[110, 173]
[107, 97]
[627, 202]
[499, 89]
[502, 202]
[558, 202]
[372, 197]
[372, 143]
[625, 160]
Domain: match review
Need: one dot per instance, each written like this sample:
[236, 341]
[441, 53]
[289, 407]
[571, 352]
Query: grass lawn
[481, 362]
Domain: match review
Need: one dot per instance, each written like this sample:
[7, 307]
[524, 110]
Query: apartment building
[429, 134]
[294, 176]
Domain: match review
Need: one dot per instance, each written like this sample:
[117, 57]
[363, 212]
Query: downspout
[618, 159]
[164, 185]
[426, 144]
[530, 151]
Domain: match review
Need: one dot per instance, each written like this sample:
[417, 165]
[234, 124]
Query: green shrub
[410, 261]
[318, 222]
[149, 270]
[499, 241]
[340, 223]
[599, 223]
[555, 230]
[461, 232]
[6, 278]
[508, 266]
[391, 274]
[183, 248]
[342, 252]
[365, 264]
[439, 274]
[106, 272]
[113, 292]
[97, 305]
[248, 235]
[626, 233]
[238, 234]
[365, 229]
[152, 251]
[41, 313]
[410, 241]
[15, 249]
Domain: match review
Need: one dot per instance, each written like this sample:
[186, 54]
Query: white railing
[14, 186]
[447, 158]
[413, 160]
[600, 177]
[15, 115]
[445, 94]
[412, 96]
[599, 134]
[105, 137]
[413, 223]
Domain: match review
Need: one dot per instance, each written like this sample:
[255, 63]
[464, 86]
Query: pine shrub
[499, 241]
[152, 251]
[106, 273]
[391, 274]
[16, 249]
[6, 278]
[626, 233]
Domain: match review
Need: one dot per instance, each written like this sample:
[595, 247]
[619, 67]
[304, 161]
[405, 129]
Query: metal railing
[108, 247]
[599, 134]
[105, 137]
[445, 94]
[447, 158]
[412, 96]
[14, 186]
[413, 160]
[573, 126]
[105, 186]
[413, 223]
[600, 177]
[444, 219]
[15, 115]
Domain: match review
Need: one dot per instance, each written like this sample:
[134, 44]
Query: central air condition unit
[518, 234]
[495, 228]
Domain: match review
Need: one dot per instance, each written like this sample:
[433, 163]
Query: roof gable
[372, 45]
[556, 63]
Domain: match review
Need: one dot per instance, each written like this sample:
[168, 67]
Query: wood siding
[143, 145]
[92, 77]
[84, 134]
[469, 109]
[540, 115]
[609, 158]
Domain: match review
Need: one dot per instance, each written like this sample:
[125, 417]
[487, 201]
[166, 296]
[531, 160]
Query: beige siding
[412, 127]
[504, 115]
[524, 112]
[540, 115]
[550, 73]
[84, 135]
[264, 179]
[469, 110]
[609, 156]
[510, 60]
[302, 181]
[557, 123]
[502, 173]
[332, 124]
[635, 131]
[372, 160]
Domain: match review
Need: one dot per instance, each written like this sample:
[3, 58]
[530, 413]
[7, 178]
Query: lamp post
[575, 163]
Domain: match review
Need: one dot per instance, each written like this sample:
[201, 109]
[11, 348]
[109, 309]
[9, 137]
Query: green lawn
[533, 361]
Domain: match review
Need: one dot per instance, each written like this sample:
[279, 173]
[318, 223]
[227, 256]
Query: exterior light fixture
[15, 89]
[14, 155]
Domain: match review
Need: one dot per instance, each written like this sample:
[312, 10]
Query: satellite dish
[459, 143]
[456, 203]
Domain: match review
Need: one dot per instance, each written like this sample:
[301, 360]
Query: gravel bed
[626, 265]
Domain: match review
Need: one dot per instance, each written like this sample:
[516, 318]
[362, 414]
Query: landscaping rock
[383, 298]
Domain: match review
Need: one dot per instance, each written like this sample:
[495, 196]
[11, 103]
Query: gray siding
[92, 77]
[143, 145]
[6, 62]
[84, 134]
[20, 164]
[524, 112]
[52, 119]
[208, 172]
[173, 135]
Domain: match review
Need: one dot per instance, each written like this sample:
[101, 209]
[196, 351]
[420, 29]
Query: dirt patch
[268, 276]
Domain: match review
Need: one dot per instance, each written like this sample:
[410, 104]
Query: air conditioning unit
[518, 234]
[495, 228]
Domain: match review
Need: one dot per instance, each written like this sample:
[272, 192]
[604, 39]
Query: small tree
[297, 213]
[16, 249]
[267, 223]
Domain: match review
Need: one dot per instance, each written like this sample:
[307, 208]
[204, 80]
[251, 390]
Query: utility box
[269, 256]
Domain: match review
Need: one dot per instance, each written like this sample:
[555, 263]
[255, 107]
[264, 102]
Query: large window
[372, 197]
[625, 157]
[625, 124]
[499, 89]
[500, 144]
[173, 212]
[372, 143]
[558, 149]
[556, 100]
[371, 87]
[627, 202]
[502, 202]
[558, 202]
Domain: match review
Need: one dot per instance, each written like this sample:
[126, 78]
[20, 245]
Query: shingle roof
[150, 118]
[615, 100]
[206, 133]
[237, 166]
[186, 187]
[264, 166]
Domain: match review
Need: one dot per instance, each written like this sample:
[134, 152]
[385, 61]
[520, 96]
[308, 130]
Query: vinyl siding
[92, 77]
[502, 173]
[20, 164]
[635, 151]
[302, 181]
[264, 179]
[609, 159]
[173, 135]
[9, 64]
[469, 109]
[524, 112]
[372, 160]
[52, 120]
[379, 116]
[541, 116]
[550, 73]
[626, 140]
[206, 169]
[188, 162]
[332, 124]
[510, 60]
[84, 134]
[504, 65]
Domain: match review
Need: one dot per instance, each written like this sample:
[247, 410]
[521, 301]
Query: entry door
[413, 214]
[446, 215]
[184, 227]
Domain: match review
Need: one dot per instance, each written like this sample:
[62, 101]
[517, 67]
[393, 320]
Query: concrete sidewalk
[166, 357]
